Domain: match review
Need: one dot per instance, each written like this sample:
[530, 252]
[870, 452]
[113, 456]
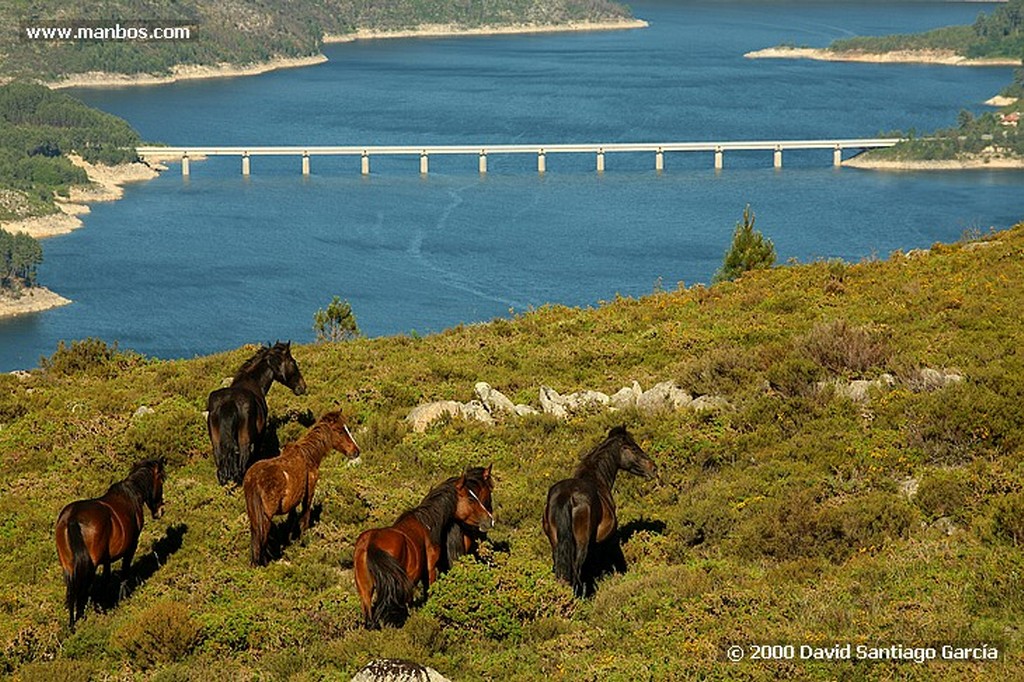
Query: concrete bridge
[185, 154]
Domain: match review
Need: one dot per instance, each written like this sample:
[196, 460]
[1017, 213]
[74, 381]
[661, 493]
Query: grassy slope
[781, 521]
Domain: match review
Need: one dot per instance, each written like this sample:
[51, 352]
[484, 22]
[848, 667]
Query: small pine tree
[337, 322]
[750, 250]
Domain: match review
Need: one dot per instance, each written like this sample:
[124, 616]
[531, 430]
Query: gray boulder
[397, 670]
[586, 401]
[663, 397]
[477, 411]
[551, 402]
[627, 397]
[494, 400]
[423, 416]
[709, 403]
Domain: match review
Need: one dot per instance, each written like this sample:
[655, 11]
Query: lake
[185, 267]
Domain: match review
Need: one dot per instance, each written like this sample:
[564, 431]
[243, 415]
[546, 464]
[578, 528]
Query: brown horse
[462, 539]
[105, 529]
[580, 511]
[277, 485]
[390, 562]
[237, 415]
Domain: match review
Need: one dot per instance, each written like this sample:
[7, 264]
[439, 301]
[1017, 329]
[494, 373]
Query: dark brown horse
[277, 485]
[237, 415]
[579, 517]
[390, 562]
[104, 529]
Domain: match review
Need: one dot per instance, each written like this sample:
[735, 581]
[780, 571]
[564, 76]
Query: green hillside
[796, 516]
[246, 31]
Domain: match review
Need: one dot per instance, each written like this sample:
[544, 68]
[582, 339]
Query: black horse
[237, 415]
[579, 518]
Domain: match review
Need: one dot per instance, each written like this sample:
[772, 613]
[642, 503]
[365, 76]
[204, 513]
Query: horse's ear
[461, 483]
[288, 344]
[487, 472]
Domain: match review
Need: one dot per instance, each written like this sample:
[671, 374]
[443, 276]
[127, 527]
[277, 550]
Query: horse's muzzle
[300, 388]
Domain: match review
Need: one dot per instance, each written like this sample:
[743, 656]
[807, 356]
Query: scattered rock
[858, 390]
[422, 416]
[494, 400]
[476, 410]
[524, 410]
[586, 401]
[226, 381]
[973, 246]
[709, 403]
[928, 379]
[142, 411]
[627, 397]
[552, 403]
[909, 486]
[663, 397]
[397, 670]
[21, 374]
[945, 525]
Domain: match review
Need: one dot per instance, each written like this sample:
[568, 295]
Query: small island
[989, 141]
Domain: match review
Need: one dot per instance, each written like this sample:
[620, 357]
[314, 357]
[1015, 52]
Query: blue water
[179, 268]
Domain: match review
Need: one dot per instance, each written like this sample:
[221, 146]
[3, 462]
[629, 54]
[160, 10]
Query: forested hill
[247, 31]
[996, 35]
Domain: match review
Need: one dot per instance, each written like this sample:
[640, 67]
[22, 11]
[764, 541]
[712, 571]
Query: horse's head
[632, 457]
[155, 501]
[285, 369]
[473, 498]
[341, 437]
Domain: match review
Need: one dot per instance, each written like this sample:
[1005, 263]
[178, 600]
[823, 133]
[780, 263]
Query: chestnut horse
[277, 485]
[580, 511]
[390, 562]
[105, 529]
[237, 415]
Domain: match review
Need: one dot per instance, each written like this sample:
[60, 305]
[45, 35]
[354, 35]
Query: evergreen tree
[750, 250]
[335, 323]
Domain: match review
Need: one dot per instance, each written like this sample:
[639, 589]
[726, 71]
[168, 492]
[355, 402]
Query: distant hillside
[863, 484]
[248, 31]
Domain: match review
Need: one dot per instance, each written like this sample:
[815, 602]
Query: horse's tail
[226, 453]
[83, 571]
[392, 587]
[259, 522]
[568, 557]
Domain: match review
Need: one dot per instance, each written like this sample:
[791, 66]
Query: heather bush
[163, 633]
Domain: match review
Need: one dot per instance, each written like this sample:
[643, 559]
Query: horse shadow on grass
[284, 534]
[108, 592]
[606, 558]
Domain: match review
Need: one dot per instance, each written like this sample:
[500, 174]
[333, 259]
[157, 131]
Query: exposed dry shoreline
[446, 30]
[34, 300]
[945, 57]
[976, 163]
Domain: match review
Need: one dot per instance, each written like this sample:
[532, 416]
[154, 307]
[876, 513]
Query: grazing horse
[105, 529]
[580, 511]
[277, 485]
[462, 539]
[390, 562]
[237, 415]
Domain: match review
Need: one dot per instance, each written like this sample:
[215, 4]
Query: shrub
[942, 493]
[87, 356]
[1007, 518]
[963, 421]
[162, 633]
[337, 322]
[841, 348]
[750, 250]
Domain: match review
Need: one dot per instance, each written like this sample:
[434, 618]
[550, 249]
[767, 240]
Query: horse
[390, 562]
[277, 485]
[462, 539]
[237, 415]
[105, 529]
[579, 516]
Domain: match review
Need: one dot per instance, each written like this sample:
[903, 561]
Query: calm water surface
[179, 268]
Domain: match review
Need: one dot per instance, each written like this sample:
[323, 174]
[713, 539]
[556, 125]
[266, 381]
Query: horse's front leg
[307, 501]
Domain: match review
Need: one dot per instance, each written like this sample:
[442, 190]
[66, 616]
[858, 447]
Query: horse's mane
[262, 355]
[436, 509]
[603, 460]
[138, 485]
[316, 442]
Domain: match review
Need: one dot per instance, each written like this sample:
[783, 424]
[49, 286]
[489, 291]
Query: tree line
[19, 256]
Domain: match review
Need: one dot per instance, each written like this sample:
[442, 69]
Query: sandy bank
[1000, 101]
[446, 30]
[107, 186]
[34, 300]
[102, 79]
[978, 163]
[945, 57]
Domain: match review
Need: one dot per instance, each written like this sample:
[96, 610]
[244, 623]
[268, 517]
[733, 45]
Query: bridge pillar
[600, 160]
[184, 166]
[365, 164]
[837, 156]
[778, 157]
[245, 164]
[305, 163]
[659, 161]
[483, 162]
[718, 158]
[424, 163]
[541, 165]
